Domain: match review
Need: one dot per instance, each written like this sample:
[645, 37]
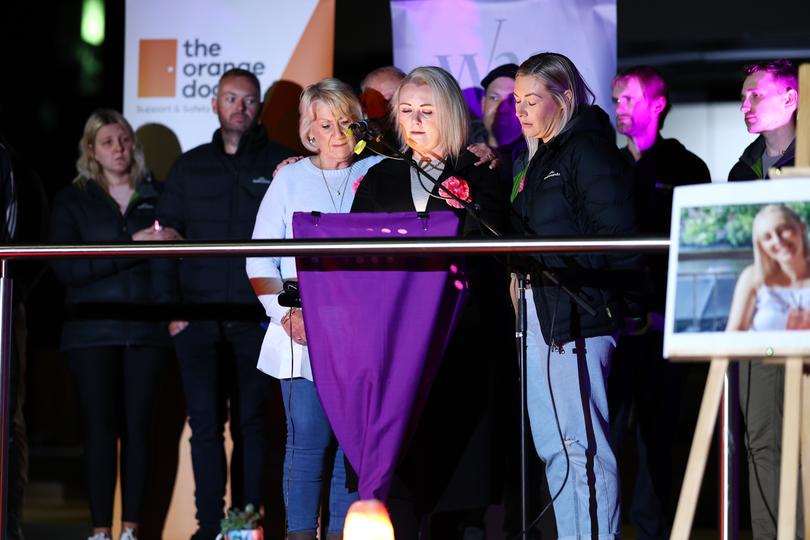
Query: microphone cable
[288, 406]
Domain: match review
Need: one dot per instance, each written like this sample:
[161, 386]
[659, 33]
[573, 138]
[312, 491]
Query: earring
[311, 140]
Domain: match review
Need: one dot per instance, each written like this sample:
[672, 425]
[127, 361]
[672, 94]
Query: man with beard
[641, 381]
[213, 193]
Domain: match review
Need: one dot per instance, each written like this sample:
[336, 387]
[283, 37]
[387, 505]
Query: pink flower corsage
[356, 183]
[458, 187]
[522, 183]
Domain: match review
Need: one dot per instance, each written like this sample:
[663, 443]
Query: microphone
[361, 130]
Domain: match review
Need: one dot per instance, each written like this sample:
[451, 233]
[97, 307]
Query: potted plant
[241, 525]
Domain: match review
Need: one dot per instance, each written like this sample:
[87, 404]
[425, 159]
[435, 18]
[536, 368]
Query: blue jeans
[309, 438]
[589, 501]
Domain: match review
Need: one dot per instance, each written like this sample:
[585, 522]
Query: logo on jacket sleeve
[261, 180]
[551, 174]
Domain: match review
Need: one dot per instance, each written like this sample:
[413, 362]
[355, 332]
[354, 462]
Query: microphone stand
[364, 132]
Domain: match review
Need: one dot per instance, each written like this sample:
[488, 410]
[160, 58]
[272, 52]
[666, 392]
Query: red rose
[458, 187]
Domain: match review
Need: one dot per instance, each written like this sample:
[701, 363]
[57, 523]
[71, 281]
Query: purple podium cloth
[377, 328]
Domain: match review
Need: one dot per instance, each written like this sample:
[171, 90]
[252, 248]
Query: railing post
[5, 373]
[729, 478]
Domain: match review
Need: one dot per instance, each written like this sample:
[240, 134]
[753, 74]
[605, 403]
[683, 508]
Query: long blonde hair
[766, 267]
[87, 166]
[449, 107]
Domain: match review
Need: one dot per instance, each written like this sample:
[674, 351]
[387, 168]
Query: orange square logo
[157, 68]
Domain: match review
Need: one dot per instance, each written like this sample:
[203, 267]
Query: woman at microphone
[322, 183]
[458, 436]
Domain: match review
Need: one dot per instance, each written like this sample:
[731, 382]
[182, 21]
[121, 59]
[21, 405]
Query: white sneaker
[128, 534]
[99, 536]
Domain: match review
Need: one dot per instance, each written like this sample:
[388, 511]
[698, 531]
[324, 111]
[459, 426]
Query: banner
[176, 51]
[470, 37]
[377, 329]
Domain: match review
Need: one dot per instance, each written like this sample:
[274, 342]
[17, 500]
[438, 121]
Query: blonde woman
[114, 349]
[322, 183]
[773, 293]
[576, 184]
[461, 431]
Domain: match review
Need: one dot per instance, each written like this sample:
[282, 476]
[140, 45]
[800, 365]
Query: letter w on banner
[470, 37]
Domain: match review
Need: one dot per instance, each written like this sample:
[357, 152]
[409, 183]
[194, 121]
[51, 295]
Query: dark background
[50, 81]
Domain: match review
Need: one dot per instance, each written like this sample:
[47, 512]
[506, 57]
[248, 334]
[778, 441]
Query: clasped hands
[293, 325]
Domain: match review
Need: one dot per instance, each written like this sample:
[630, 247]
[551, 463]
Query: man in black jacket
[213, 193]
[640, 379]
[770, 99]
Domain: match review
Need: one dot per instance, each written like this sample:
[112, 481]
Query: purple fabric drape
[377, 328]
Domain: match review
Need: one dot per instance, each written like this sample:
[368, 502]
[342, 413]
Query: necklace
[341, 190]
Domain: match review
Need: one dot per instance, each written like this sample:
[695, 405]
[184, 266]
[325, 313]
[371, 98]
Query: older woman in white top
[322, 183]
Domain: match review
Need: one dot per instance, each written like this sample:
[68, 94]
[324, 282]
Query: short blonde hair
[449, 107]
[559, 74]
[87, 166]
[766, 267]
[335, 94]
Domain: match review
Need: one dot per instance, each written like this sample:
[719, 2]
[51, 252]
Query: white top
[296, 188]
[421, 187]
[773, 305]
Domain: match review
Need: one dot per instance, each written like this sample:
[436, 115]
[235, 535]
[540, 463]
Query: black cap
[506, 70]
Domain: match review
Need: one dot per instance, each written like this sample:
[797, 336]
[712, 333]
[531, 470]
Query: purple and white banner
[470, 37]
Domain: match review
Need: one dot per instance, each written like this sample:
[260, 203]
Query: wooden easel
[796, 420]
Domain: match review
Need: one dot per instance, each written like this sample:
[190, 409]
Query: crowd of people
[542, 162]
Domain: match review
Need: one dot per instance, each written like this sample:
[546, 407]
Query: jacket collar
[754, 151]
[254, 136]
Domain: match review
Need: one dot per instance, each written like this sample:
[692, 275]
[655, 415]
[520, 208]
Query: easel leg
[789, 468]
[805, 450]
[704, 430]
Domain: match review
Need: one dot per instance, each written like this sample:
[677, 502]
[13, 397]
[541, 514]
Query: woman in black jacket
[114, 348]
[454, 466]
[575, 185]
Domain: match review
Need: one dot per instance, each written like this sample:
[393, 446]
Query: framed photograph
[739, 271]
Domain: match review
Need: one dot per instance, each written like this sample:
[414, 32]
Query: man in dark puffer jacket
[213, 193]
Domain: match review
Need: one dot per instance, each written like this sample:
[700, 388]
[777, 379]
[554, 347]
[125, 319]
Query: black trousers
[648, 388]
[117, 386]
[762, 395]
[218, 367]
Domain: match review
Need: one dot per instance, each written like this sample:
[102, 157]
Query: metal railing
[276, 248]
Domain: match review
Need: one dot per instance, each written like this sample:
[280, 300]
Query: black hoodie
[664, 166]
[213, 196]
[578, 186]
